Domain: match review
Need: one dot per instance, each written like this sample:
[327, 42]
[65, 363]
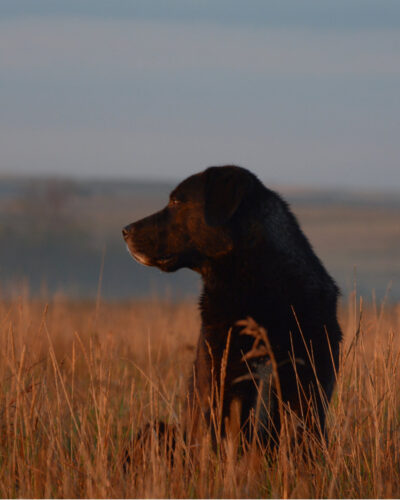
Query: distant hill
[55, 234]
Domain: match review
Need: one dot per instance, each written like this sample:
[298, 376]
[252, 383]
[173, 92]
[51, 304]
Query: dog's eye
[174, 201]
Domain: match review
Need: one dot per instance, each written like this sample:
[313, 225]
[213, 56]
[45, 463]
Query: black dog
[256, 263]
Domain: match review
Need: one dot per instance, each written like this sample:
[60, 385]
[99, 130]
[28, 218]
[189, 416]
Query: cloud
[342, 14]
[69, 47]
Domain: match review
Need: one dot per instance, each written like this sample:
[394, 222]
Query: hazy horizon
[171, 182]
[59, 233]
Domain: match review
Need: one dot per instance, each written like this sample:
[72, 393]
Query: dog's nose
[125, 232]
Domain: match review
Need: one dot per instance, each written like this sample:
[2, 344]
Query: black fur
[255, 262]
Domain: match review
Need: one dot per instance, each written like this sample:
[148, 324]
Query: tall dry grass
[78, 380]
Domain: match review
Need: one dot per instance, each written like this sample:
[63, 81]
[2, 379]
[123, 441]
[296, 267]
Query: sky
[301, 92]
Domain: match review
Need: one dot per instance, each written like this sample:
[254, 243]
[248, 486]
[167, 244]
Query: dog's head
[197, 224]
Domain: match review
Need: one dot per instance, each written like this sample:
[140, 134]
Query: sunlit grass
[78, 381]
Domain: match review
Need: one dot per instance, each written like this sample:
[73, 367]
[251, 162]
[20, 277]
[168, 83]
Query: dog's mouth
[166, 260]
[143, 259]
[167, 263]
[138, 256]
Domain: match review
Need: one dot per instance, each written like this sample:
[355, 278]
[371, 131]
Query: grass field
[79, 379]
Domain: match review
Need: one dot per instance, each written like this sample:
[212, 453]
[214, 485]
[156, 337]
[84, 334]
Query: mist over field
[61, 235]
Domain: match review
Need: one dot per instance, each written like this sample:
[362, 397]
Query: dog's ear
[224, 190]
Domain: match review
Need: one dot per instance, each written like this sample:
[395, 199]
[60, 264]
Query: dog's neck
[235, 288]
[230, 286]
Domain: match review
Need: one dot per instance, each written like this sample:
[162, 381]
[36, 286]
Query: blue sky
[300, 92]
